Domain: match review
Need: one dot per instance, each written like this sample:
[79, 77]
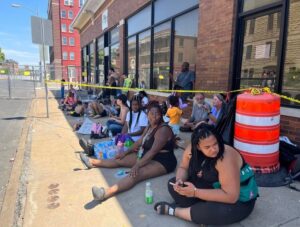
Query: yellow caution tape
[253, 91]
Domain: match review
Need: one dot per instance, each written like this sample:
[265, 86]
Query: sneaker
[98, 193]
[87, 146]
[85, 160]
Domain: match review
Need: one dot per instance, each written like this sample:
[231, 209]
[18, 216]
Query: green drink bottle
[148, 193]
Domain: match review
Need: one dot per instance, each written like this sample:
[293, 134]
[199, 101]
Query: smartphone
[181, 185]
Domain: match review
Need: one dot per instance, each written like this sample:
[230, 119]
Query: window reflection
[161, 58]
[291, 74]
[92, 62]
[144, 59]
[100, 68]
[167, 8]
[115, 57]
[253, 4]
[185, 43]
[139, 21]
[131, 57]
[259, 62]
[84, 59]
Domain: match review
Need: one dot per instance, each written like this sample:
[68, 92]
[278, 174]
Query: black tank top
[169, 146]
[206, 173]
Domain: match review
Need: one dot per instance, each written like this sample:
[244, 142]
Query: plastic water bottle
[148, 193]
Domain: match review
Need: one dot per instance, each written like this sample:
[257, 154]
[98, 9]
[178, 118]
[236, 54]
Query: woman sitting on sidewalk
[136, 122]
[116, 123]
[136, 119]
[206, 161]
[154, 158]
[69, 102]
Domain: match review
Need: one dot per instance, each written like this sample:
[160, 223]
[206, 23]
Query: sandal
[98, 193]
[163, 205]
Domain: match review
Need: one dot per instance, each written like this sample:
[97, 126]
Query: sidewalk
[59, 187]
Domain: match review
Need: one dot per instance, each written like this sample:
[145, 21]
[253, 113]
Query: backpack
[289, 157]
[96, 130]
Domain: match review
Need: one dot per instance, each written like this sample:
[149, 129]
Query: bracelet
[195, 189]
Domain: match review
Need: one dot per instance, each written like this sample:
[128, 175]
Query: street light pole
[15, 5]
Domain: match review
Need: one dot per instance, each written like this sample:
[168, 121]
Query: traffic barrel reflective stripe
[257, 130]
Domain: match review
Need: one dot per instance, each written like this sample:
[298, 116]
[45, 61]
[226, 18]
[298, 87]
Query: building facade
[230, 44]
[65, 56]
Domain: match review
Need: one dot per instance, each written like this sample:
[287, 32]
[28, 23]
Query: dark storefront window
[167, 8]
[131, 57]
[92, 63]
[161, 56]
[139, 21]
[114, 50]
[115, 57]
[253, 4]
[185, 43]
[100, 51]
[84, 59]
[144, 59]
[291, 73]
[259, 55]
[275, 59]
[170, 46]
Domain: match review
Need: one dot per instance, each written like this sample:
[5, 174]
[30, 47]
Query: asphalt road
[12, 117]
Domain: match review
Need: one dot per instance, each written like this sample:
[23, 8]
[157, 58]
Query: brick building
[230, 44]
[65, 57]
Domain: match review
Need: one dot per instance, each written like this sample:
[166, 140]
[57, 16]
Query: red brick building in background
[65, 57]
[230, 44]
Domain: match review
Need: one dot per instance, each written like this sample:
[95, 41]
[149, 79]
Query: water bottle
[148, 193]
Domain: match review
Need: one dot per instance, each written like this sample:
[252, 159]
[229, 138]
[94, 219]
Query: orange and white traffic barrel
[257, 130]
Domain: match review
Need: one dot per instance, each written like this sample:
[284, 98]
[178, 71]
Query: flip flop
[170, 208]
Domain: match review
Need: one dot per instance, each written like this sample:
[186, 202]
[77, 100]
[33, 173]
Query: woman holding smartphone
[206, 161]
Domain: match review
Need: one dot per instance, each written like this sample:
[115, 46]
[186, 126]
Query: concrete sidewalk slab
[59, 188]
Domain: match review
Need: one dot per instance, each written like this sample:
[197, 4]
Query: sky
[15, 29]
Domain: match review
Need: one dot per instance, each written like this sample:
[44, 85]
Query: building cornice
[86, 13]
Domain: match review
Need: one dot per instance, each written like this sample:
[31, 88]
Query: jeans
[62, 92]
[114, 127]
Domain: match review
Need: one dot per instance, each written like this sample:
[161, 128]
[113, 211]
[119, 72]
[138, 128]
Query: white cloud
[22, 57]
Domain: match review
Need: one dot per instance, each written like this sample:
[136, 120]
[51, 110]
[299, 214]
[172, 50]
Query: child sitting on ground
[174, 113]
[69, 102]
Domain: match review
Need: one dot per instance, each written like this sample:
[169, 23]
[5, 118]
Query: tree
[2, 56]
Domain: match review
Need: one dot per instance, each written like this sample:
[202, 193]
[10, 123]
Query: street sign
[41, 31]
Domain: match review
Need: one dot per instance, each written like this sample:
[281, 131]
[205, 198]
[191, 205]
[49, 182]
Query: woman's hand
[134, 171]
[188, 189]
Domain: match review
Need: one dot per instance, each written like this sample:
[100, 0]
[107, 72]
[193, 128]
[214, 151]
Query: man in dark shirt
[185, 79]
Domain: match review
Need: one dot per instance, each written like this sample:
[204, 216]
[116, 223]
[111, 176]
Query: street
[12, 116]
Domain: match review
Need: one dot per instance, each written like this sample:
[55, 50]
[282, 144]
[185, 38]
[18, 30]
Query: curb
[11, 198]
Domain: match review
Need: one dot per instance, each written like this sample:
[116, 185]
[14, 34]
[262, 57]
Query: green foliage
[2, 55]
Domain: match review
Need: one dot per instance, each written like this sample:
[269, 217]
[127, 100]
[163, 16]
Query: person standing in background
[185, 79]
[62, 89]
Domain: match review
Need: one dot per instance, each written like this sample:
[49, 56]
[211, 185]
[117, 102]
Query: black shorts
[167, 160]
